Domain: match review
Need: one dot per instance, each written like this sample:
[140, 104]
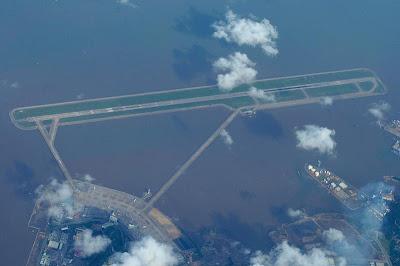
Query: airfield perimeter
[286, 91]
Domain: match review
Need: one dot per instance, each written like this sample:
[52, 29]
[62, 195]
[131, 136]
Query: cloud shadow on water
[179, 123]
[246, 195]
[196, 23]
[191, 63]
[265, 124]
[253, 236]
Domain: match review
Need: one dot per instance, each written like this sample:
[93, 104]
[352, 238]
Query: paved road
[53, 150]
[125, 206]
[189, 162]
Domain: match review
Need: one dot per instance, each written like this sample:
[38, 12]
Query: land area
[307, 232]
[138, 212]
[285, 91]
[107, 208]
[393, 127]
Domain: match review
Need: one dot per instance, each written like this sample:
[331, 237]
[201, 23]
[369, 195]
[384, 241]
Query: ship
[349, 196]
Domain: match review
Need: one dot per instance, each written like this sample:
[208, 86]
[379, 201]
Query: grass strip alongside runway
[284, 89]
[332, 90]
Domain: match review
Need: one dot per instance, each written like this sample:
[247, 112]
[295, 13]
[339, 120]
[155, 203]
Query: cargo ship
[336, 186]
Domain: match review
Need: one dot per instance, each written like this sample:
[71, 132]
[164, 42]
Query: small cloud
[126, 3]
[9, 84]
[292, 213]
[337, 243]
[333, 235]
[379, 110]
[226, 137]
[59, 198]
[246, 251]
[238, 70]
[147, 252]
[327, 101]
[87, 244]
[378, 205]
[88, 178]
[247, 31]
[261, 95]
[260, 259]
[313, 137]
[334, 246]
[80, 96]
[14, 85]
[285, 254]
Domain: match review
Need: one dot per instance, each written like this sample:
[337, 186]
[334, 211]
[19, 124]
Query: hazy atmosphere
[224, 166]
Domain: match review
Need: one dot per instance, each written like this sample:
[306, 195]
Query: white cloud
[147, 252]
[295, 213]
[88, 178]
[14, 85]
[226, 137]
[333, 235]
[327, 101]
[377, 204]
[238, 70]
[285, 255]
[261, 95]
[126, 3]
[379, 110]
[59, 198]
[338, 244]
[247, 31]
[260, 259]
[8, 84]
[335, 246]
[87, 244]
[80, 96]
[313, 137]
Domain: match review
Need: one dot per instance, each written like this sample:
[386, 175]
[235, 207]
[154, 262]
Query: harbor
[351, 197]
[335, 185]
[393, 127]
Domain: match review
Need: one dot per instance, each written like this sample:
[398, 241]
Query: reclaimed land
[287, 91]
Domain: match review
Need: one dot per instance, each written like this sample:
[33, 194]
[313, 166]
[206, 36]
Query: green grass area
[25, 124]
[332, 90]
[115, 102]
[32, 125]
[291, 95]
[380, 88]
[366, 85]
[182, 94]
[120, 104]
[314, 78]
[234, 103]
